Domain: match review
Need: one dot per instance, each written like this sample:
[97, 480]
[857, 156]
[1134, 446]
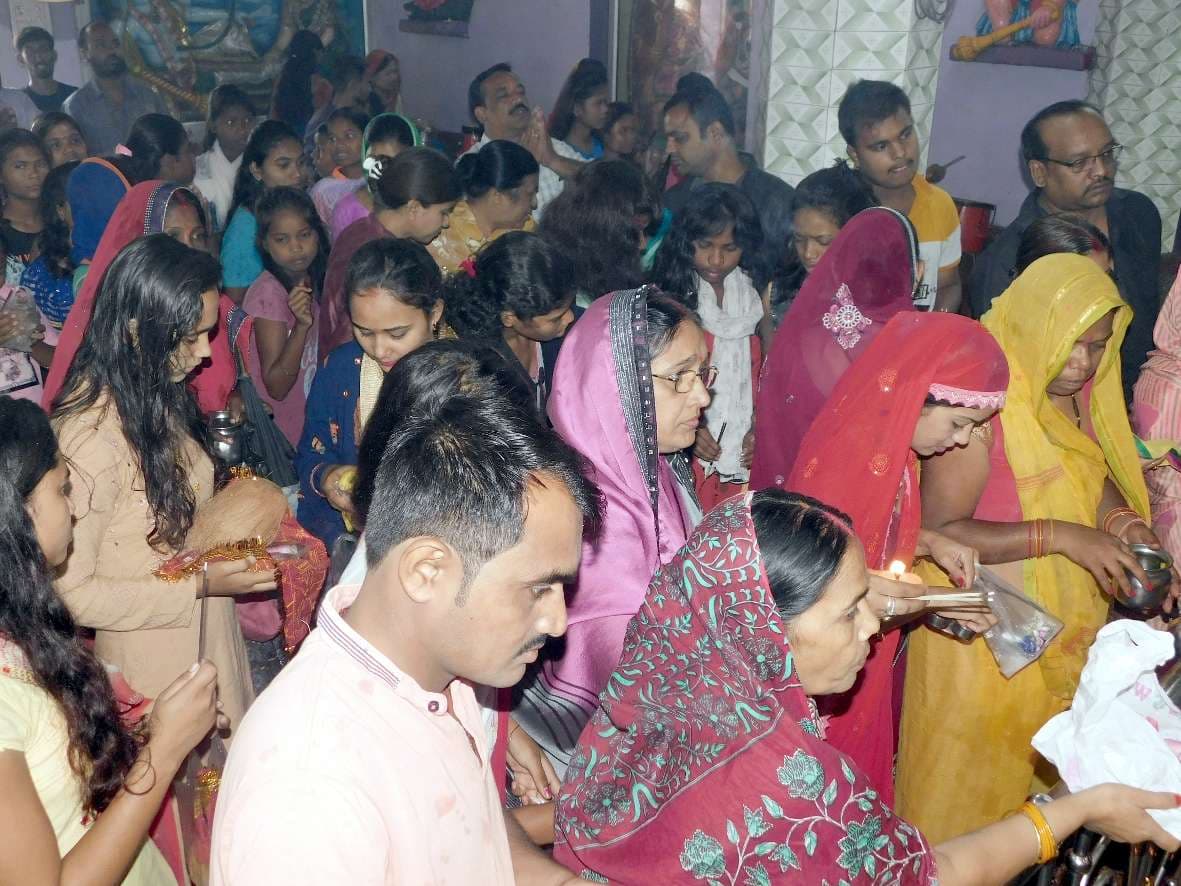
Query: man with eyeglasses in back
[1072, 159]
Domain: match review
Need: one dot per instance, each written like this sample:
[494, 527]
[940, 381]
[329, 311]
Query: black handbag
[264, 448]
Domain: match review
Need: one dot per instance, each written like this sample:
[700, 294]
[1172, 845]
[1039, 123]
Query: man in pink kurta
[364, 761]
[346, 753]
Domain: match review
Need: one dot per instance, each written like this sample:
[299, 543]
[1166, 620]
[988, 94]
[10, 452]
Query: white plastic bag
[1122, 726]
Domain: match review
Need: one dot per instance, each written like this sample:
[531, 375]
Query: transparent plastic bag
[196, 789]
[18, 303]
[1023, 629]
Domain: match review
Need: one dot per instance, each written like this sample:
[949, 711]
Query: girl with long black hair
[271, 160]
[160, 149]
[519, 298]
[292, 100]
[132, 432]
[709, 261]
[227, 129]
[80, 790]
[580, 113]
[50, 276]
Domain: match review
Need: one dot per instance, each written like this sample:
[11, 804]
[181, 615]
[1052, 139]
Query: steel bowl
[225, 437]
[1158, 566]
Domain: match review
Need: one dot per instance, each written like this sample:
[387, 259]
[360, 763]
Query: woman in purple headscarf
[628, 393]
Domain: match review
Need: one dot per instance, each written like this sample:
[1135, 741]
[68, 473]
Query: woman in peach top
[500, 192]
[131, 431]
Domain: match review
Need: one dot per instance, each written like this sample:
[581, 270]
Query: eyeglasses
[1110, 157]
[683, 381]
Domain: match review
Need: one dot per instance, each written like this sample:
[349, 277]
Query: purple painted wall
[542, 39]
[980, 110]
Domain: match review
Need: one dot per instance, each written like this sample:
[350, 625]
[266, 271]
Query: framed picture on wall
[443, 18]
[659, 41]
[186, 49]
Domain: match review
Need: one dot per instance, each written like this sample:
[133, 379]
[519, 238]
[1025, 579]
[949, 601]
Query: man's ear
[481, 114]
[425, 568]
[1037, 172]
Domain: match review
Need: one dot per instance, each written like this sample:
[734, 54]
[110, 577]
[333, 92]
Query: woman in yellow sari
[1051, 495]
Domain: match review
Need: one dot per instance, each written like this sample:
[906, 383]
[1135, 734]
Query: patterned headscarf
[93, 190]
[866, 277]
[140, 211]
[603, 405]
[705, 760]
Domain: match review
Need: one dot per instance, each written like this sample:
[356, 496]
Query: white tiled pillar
[814, 49]
[1137, 83]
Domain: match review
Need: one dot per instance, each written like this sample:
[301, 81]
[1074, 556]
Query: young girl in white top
[227, 129]
[709, 262]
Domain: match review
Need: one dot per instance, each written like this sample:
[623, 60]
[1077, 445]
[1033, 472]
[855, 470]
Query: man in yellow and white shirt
[875, 121]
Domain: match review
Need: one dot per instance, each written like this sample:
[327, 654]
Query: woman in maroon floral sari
[706, 760]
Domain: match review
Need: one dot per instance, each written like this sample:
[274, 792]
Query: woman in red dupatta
[861, 456]
[143, 210]
[706, 760]
[868, 275]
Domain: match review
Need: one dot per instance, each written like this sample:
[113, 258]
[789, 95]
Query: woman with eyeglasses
[629, 390]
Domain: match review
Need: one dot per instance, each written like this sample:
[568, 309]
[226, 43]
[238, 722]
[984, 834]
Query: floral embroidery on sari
[845, 320]
[704, 740]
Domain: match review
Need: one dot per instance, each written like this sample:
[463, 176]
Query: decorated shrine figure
[1060, 32]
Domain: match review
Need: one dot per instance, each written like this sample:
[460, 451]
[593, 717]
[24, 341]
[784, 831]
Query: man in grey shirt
[107, 105]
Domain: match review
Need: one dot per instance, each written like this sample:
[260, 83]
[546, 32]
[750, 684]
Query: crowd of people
[590, 487]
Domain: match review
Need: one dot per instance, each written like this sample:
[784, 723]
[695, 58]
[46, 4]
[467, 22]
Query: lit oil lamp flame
[897, 570]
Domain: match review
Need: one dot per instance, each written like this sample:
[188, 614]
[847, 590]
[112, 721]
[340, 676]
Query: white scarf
[215, 181]
[732, 406]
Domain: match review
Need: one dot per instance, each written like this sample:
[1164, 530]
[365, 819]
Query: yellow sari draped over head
[1059, 469]
[965, 758]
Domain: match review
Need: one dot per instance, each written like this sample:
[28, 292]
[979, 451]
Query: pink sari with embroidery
[866, 277]
[857, 458]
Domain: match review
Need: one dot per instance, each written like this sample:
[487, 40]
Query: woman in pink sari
[1156, 415]
[920, 388]
[628, 393]
[866, 276]
[706, 759]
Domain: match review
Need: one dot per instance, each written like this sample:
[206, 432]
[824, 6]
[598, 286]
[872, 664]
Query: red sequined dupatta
[857, 458]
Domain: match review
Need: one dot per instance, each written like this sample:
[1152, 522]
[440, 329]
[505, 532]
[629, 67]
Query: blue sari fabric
[54, 295]
[329, 438]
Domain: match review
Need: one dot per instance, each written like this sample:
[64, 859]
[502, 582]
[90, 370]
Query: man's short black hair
[84, 33]
[462, 474]
[1032, 146]
[475, 91]
[32, 34]
[867, 102]
[706, 106]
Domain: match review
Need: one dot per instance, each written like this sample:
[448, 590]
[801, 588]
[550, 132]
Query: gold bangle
[1047, 845]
